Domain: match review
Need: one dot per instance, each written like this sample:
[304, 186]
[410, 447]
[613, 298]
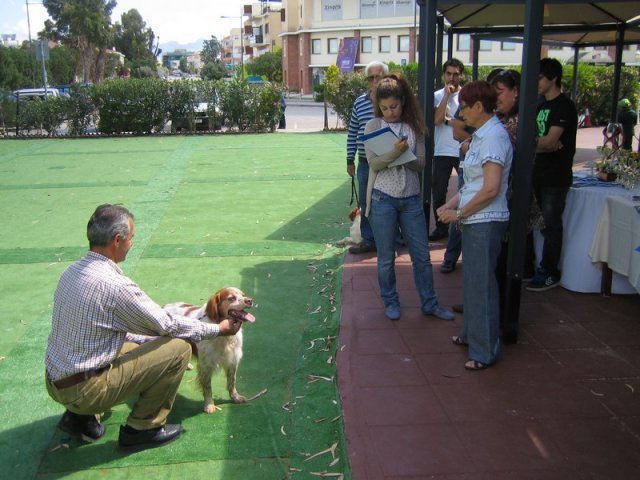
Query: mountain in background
[190, 47]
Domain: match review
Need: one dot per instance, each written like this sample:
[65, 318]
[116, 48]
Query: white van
[30, 93]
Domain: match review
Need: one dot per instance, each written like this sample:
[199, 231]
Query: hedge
[143, 106]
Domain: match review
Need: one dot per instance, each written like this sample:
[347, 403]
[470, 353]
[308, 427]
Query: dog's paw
[210, 408]
[238, 399]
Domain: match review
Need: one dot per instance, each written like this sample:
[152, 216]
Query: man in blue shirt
[361, 113]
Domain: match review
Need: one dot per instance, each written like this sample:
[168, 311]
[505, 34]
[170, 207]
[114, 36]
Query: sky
[182, 21]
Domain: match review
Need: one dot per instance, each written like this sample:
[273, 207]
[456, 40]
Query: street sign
[42, 50]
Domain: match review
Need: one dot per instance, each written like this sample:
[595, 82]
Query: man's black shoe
[87, 427]
[131, 439]
[438, 235]
[362, 247]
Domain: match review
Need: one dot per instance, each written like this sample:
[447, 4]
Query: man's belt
[76, 378]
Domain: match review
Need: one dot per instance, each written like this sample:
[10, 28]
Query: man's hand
[448, 90]
[229, 327]
[351, 169]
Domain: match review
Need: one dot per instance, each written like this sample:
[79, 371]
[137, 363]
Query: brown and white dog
[354, 230]
[218, 352]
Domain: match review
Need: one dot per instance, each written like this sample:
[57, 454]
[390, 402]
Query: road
[307, 116]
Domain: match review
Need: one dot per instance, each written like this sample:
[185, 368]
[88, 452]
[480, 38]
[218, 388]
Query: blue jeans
[481, 243]
[387, 213]
[454, 242]
[362, 174]
[551, 201]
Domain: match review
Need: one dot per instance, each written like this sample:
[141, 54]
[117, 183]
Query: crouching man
[90, 364]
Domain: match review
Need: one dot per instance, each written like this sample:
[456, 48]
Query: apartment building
[387, 30]
[258, 33]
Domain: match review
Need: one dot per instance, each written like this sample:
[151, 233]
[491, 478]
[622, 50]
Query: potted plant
[620, 166]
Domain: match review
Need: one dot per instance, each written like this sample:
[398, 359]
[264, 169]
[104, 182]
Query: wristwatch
[459, 215]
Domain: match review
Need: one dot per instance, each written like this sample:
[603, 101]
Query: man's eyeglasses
[372, 78]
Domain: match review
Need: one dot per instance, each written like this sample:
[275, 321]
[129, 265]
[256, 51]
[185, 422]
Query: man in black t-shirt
[557, 122]
[628, 118]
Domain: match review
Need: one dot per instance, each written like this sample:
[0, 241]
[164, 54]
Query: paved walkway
[562, 403]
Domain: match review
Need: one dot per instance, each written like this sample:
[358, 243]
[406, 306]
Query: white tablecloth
[580, 219]
[617, 238]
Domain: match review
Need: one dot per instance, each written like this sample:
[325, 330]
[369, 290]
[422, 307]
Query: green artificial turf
[260, 212]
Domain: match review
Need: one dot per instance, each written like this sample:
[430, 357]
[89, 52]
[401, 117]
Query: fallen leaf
[319, 377]
[630, 386]
[62, 445]
[331, 450]
[282, 431]
[597, 394]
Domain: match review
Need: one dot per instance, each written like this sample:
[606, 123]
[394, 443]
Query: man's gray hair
[106, 222]
[376, 64]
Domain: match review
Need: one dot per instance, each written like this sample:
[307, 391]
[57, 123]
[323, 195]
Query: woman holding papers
[394, 144]
[481, 208]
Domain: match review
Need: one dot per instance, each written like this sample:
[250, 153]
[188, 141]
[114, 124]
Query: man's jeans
[551, 201]
[386, 214]
[442, 167]
[362, 173]
[481, 243]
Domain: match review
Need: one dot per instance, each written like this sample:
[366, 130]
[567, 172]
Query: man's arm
[551, 141]
[441, 108]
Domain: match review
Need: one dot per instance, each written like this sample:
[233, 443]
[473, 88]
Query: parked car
[31, 93]
[206, 117]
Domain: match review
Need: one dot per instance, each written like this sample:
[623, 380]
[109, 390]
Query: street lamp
[241, 17]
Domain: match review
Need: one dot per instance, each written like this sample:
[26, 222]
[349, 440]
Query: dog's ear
[212, 307]
[354, 213]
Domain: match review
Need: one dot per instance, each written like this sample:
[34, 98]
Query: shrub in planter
[341, 91]
[132, 105]
[251, 107]
[7, 109]
[38, 114]
[81, 109]
[193, 105]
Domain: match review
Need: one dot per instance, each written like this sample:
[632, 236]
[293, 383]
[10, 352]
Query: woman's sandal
[456, 340]
[475, 365]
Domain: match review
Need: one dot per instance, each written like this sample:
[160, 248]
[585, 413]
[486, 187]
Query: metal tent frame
[604, 22]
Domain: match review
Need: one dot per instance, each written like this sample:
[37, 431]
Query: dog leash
[354, 192]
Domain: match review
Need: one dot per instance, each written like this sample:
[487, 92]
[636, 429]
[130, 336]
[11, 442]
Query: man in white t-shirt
[446, 148]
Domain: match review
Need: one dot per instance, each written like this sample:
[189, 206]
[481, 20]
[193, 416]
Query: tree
[135, 40]
[213, 71]
[84, 26]
[210, 52]
[18, 67]
[61, 65]
[268, 65]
